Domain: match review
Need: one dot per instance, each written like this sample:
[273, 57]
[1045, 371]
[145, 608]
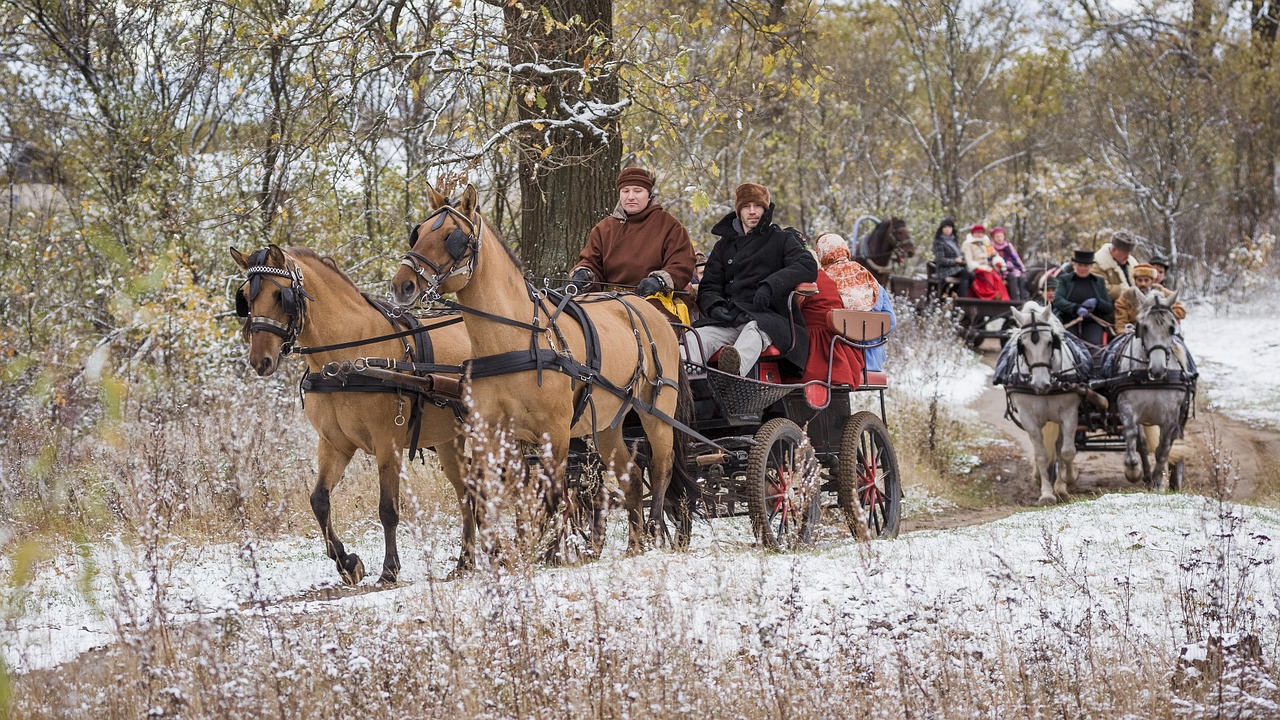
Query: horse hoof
[1046, 500]
[353, 572]
[389, 576]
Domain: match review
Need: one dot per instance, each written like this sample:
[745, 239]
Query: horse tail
[684, 487]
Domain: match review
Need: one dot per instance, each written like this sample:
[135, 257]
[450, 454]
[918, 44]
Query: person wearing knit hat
[639, 247]
[1113, 262]
[985, 265]
[1014, 270]
[1144, 283]
[746, 285]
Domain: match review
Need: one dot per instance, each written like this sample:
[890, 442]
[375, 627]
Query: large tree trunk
[566, 173]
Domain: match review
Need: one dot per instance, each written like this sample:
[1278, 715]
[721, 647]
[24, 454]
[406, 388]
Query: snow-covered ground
[1131, 556]
[1238, 351]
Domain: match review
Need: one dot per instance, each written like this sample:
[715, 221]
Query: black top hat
[1084, 257]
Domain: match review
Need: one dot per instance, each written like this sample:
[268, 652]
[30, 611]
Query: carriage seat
[863, 328]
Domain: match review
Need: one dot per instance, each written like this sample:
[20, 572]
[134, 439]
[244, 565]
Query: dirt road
[1223, 453]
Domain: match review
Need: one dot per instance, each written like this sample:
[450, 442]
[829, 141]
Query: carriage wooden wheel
[868, 475]
[782, 494]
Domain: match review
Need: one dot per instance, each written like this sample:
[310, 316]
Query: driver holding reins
[639, 247]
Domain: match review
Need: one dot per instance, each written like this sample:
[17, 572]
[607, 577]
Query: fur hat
[750, 193]
[831, 248]
[1144, 270]
[1123, 240]
[1084, 257]
[977, 230]
[635, 176]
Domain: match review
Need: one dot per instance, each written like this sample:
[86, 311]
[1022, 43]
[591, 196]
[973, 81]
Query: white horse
[1042, 379]
[1155, 379]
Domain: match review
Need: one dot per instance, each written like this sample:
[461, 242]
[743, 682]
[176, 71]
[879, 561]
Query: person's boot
[729, 361]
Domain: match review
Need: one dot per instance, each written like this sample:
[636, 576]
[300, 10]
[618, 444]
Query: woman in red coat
[847, 363]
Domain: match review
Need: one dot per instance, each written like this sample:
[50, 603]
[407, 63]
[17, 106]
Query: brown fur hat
[635, 176]
[1123, 240]
[1144, 270]
[750, 193]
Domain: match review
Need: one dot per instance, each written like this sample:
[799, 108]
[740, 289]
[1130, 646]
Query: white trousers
[749, 340]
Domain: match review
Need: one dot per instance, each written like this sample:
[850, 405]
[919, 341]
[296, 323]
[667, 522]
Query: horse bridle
[293, 300]
[1056, 345]
[463, 247]
[894, 254]
[1166, 348]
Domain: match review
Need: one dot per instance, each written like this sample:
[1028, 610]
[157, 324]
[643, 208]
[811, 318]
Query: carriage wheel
[782, 488]
[868, 474]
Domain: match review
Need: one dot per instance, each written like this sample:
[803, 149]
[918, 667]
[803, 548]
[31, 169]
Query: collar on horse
[293, 299]
[463, 248]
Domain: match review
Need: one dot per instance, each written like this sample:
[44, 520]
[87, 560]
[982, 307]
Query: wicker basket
[744, 396]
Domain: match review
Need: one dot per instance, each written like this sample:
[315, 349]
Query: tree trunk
[566, 173]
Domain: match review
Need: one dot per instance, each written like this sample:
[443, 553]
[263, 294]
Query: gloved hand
[649, 286]
[581, 277]
[764, 296]
[721, 314]
[1091, 303]
[1082, 311]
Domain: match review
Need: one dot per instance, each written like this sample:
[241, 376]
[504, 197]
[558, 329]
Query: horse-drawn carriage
[603, 371]
[1135, 395]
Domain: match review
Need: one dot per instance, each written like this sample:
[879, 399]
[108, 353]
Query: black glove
[649, 286]
[721, 314]
[581, 276]
[764, 296]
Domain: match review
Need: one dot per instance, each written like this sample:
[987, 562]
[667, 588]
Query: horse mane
[325, 260]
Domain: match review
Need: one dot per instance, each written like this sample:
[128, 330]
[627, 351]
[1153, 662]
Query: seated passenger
[948, 260]
[1014, 271]
[1144, 282]
[846, 362]
[985, 264]
[640, 246]
[748, 278]
[1113, 263]
[858, 289]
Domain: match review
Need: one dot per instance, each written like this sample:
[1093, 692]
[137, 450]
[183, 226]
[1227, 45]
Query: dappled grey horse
[1044, 372]
[1153, 379]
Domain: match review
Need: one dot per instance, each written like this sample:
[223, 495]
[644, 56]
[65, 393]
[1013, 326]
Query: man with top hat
[1081, 300]
[1144, 283]
[746, 283]
[1113, 265]
[639, 246]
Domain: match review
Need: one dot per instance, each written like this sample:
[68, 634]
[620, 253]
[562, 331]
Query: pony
[551, 379]
[1042, 370]
[888, 244]
[1154, 378]
[280, 311]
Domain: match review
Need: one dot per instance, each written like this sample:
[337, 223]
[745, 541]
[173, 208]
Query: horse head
[1038, 339]
[900, 240]
[443, 249]
[1155, 329]
[272, 302]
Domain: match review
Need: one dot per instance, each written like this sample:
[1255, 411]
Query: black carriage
[780, 452]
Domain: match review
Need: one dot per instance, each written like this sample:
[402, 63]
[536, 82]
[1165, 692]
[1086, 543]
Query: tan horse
[454, 250]
[295, 296]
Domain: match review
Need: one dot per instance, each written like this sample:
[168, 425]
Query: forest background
[140, 139]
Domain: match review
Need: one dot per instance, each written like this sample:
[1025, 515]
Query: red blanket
[987, 285]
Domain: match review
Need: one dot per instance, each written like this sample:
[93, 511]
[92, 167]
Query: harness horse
[550, 368]
[292, 296]
[1044, 378]
[1153, 380]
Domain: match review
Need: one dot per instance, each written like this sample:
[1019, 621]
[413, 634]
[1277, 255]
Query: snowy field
[1238, 350]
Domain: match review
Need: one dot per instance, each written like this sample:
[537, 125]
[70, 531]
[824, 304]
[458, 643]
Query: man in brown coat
[639, 245]
[1144, 282]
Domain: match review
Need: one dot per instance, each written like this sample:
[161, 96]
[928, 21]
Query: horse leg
[1133, 471]
[332, 463]
[451, 455]
[1036, 432]
[661, 453]
[389, 469]
[1161, 469]
[1067, 454]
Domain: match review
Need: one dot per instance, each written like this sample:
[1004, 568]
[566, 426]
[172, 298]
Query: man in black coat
[1081, 299]
[746, 282]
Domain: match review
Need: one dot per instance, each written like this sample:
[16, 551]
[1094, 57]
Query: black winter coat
[739, 264]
